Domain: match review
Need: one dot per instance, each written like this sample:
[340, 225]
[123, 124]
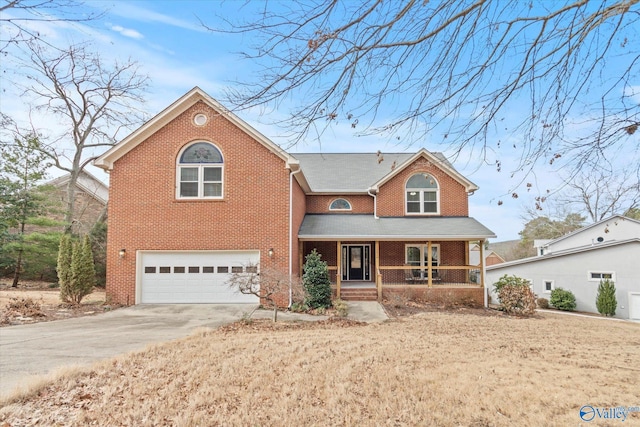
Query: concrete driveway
[36, 349]
[29, 351]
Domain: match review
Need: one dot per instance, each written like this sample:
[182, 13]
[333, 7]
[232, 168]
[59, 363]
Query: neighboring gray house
[577, 261]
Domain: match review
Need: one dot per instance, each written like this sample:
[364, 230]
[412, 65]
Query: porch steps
[358, 294]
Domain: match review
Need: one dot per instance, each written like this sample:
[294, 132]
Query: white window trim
[591, 279]
[421, 191]
[337, 209]
[200, 167]
[544, 286]
[423, 248]
[366, 260]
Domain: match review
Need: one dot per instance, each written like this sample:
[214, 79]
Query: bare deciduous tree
[601, 193]
[94, 101]
[266, 284]
[17, 18]
[552, 80]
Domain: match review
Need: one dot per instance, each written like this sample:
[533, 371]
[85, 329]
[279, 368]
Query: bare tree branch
[95, 101]
[17, 18]
[558, 80]
[601, 194]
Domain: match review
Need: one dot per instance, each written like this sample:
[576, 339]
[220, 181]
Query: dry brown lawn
[435, 368]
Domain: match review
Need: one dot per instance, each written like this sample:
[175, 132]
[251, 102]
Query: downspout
[375, 202]
[291, 174]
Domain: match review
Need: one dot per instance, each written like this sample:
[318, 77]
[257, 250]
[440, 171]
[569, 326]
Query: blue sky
[178, 53]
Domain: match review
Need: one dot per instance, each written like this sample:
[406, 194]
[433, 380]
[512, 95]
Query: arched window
[200, 172]
[340, 205]
[422, 194]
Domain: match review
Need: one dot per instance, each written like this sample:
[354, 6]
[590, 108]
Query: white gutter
[291, 174]
[375, 201]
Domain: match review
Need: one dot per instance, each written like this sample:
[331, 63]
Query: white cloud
[131, 11]
[126, 32]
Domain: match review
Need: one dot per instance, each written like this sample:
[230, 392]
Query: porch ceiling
[366, 227]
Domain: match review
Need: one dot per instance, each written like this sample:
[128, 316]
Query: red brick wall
[145, 215]
[453, 197]
[359, 204]
[447, 297]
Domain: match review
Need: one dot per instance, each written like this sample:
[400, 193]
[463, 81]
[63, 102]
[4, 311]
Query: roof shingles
[350, 172]
[354, 227]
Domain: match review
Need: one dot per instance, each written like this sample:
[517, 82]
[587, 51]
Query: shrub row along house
[578, 261]
[196, 194]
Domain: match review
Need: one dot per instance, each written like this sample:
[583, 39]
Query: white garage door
[634, 306]
[193, 277]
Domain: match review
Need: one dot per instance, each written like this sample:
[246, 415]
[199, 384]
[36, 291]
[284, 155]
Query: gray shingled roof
[350, 172]
[357, 227]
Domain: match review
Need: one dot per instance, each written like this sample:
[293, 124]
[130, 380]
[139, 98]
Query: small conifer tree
[316, 281]
[606, 302]
[64, 266]
[83, 275]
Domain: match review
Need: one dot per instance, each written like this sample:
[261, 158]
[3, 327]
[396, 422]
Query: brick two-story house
[197, 194]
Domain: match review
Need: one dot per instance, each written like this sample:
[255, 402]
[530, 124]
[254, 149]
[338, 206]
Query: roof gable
[106, 160]
[87, 183]
[439, 161]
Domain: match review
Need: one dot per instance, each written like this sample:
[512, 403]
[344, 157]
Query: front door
[355, 262]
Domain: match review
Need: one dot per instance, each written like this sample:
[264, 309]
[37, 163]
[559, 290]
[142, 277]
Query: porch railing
[442, 276]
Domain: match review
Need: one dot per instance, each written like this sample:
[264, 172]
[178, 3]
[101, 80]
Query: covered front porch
[420, 257]
[417, 268]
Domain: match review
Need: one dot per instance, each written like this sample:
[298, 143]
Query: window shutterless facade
[200, 172]
[340, 205]
[422, 195]
[549, 285]
[596, 276]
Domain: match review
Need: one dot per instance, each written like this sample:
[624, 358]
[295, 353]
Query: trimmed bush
[563, 299]
[543, 303]
[316, 281]
[517, 299]
[65, 252]
[83, 274]
[606, 302]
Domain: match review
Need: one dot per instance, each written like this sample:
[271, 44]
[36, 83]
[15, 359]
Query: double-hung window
[200, 172]
[422, 195]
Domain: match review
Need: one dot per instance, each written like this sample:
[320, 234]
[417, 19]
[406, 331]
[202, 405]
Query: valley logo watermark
[589, 413]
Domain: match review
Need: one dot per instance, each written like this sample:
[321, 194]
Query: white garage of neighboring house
[192, 277]
[580, 270]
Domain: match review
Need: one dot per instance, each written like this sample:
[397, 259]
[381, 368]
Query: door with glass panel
[418, 256]
[356, 264]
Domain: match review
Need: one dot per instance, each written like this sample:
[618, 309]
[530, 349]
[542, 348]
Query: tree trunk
[16, 273]
[71, 198]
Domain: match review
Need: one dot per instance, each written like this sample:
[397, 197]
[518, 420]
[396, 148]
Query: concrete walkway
[366, 311]
[29, 351]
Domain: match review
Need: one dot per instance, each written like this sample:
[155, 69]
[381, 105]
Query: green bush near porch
[316, 281]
